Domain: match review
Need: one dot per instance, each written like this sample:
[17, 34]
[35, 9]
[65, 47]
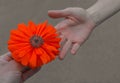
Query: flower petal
[14, 47]
[44, 56]
[25, 59]
[42, 28]
[16, 38]
[33, 60]
[32, 27]
[23, 29]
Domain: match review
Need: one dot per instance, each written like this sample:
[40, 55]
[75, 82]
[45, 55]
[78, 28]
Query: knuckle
[2, 62]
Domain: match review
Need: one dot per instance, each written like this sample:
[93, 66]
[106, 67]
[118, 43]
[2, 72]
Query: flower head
[34, 45]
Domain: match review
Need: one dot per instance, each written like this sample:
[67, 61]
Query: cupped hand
[13, 72]
[74, 29]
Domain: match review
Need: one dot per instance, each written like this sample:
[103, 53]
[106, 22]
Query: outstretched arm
[103, 9]
[79, 23]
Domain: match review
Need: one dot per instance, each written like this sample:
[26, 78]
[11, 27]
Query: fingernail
[61, 58]
[73, 52]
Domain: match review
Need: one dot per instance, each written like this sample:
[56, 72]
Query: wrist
[92, 17]
[93, 12]
[90, 20]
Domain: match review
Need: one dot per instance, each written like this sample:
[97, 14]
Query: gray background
[98, 60]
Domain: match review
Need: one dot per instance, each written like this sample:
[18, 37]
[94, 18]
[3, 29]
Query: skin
[74, 30]
[103, 9]
[79, 23]
[13, 72]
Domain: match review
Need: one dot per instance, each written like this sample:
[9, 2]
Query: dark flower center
[36, 41]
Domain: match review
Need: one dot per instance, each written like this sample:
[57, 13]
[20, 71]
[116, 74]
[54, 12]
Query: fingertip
[60, 58]
[73, 52]
[75, 48]
[51, 13]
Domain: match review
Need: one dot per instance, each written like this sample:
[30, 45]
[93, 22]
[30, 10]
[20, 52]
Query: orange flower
[34, 45]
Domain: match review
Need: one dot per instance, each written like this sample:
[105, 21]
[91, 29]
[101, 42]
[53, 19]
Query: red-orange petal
[43, 27]
[23, 29]
[32, 27]
[33, 60]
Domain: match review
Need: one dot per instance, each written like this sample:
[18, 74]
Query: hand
[74, 29]
[13, 72]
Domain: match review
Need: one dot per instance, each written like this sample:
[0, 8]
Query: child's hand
[13, 72]
[74, 29]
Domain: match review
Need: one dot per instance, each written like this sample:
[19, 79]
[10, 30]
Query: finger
[58, 13]
[63, 24]
[30, 73]
[75, 47]
[7, 57]
[63, 39]
[15, 66]
[65, 49]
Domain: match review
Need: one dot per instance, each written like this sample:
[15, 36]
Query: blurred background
[97, 61]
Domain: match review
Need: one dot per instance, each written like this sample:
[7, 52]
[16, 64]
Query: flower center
[36, 41]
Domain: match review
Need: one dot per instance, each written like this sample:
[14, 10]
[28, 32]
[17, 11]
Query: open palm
[74, 29]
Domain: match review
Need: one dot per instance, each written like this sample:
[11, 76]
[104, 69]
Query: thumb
[12, 77]
[15, 66]
[58, 13]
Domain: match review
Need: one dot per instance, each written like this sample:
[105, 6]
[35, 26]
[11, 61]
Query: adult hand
[74, 29]
[13, 72]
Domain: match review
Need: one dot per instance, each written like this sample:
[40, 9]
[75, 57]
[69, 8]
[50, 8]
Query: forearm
[103, 9]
